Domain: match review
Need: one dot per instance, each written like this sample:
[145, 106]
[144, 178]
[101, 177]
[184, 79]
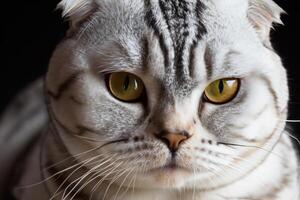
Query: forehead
[179, 17]
[182, 36]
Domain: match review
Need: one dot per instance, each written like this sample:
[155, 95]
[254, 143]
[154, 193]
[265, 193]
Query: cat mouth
[170, 175]
[171, 167]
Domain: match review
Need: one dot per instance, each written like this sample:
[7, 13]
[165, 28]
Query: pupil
[221, 87]
[126, 83]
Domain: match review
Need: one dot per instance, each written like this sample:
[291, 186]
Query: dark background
[30, 30]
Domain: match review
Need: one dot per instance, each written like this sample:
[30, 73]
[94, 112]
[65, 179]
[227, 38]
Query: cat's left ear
[262, 15]
[76, 10]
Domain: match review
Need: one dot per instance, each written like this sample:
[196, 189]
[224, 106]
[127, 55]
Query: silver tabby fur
[102, 148]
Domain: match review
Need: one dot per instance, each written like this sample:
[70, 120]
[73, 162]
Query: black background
[30, 30]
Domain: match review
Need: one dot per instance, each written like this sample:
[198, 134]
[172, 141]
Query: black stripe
[199, 9]
[55, 120]
[81, 128]
[75, 100]
[208, 63]
[175, 13]
[64, 86]
[192, 60]
[201, 30]
[145, 54]
[152, 23]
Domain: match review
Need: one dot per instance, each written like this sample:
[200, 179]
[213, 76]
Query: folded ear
[76, 10]
[262, 14]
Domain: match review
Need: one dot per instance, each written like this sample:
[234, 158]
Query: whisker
[250, 146]
[91, 179]
[88, 138]
[129, 185]
[210, 170]
[116, 178]
[79, 180]
[70, 175]
[292, 121]
[107, 174]
[232, 156]
[293, 137]
[197, 169]
[88, 151]
[101, 173]
[218, 162]
[253, 163]
[194, 185]
[134, 180]
[54, 175]
[120, 186]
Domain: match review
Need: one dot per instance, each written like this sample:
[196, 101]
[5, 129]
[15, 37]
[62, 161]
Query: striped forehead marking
[179, 27]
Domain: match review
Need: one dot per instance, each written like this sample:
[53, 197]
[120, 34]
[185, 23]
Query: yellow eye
[222, 91]
[125, 86]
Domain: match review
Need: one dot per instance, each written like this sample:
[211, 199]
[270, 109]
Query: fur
[238, 150]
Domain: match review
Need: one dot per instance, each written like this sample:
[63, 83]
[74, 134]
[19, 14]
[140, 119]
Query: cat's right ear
[76, 10]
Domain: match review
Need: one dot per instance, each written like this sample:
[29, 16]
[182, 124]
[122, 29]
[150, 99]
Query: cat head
[173, 93]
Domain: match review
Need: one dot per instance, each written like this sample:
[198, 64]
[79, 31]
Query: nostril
[165, 140]
[181, 141]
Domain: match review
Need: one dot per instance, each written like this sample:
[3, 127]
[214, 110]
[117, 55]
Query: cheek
[88, 104]
[108, 118]
[258, 128]
[251, 117]
[258, 118]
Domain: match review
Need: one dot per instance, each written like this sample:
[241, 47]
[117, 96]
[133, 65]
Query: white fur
[238, 25]
[76, 10]
[262, 14]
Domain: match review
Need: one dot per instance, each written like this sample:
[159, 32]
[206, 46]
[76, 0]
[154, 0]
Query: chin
[168, 178]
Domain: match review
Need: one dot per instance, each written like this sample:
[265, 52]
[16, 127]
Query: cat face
[179, 133]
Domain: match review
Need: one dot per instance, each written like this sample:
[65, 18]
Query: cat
[156, 100]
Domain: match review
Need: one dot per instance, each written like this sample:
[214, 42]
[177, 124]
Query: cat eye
[222, 91]
[125, 86]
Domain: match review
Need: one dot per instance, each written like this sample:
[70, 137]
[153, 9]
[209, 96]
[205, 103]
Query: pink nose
[173, 140]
